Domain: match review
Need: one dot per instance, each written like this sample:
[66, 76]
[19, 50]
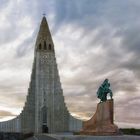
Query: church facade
[45, 109]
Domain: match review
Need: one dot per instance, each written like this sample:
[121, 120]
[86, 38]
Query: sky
[94, 40]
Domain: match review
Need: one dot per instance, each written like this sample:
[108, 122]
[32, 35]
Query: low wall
[11, 125]
[74, 124]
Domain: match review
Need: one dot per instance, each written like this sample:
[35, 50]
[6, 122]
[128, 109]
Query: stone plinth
[102, 122]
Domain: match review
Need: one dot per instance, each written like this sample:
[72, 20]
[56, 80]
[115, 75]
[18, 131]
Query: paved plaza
[72, 137]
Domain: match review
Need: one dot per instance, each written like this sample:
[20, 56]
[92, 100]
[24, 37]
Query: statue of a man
[103, 90]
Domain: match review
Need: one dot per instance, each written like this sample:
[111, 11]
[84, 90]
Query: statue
[104, 90]
[102, 122]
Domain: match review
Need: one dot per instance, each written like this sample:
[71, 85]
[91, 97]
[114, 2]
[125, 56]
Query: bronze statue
[104, 90]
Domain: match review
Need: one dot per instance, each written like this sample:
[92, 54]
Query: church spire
[44, 40]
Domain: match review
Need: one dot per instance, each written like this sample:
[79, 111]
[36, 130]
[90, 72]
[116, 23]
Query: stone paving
[42, 137]
[122, 137]
[72, 137]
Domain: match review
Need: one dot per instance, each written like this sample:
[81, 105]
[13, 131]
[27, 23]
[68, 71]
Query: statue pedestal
[102, 122]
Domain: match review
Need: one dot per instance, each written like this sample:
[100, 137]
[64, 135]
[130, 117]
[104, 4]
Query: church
[45, 110]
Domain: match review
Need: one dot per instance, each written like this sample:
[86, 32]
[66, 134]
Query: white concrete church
[45, 109]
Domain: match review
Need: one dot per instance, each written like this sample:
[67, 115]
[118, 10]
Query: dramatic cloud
[107, 32]
[5, 114]
[93, 40]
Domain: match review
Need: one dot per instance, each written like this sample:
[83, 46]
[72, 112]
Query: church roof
[44, 33]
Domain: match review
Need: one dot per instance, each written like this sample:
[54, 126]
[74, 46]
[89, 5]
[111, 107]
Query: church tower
[45, 109]
[50, 109]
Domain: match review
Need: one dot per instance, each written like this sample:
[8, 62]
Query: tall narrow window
[40, 46]
[50, 47]
[44, 114]
[45, 46]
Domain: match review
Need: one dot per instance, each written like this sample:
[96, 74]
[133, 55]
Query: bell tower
[44, 40]
[48, 85]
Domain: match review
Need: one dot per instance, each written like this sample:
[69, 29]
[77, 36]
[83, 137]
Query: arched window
[45, 46]
[50, 46]
[45, 128]
[44, 114]
[40, 46]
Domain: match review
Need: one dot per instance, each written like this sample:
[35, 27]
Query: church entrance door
[45, 128]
